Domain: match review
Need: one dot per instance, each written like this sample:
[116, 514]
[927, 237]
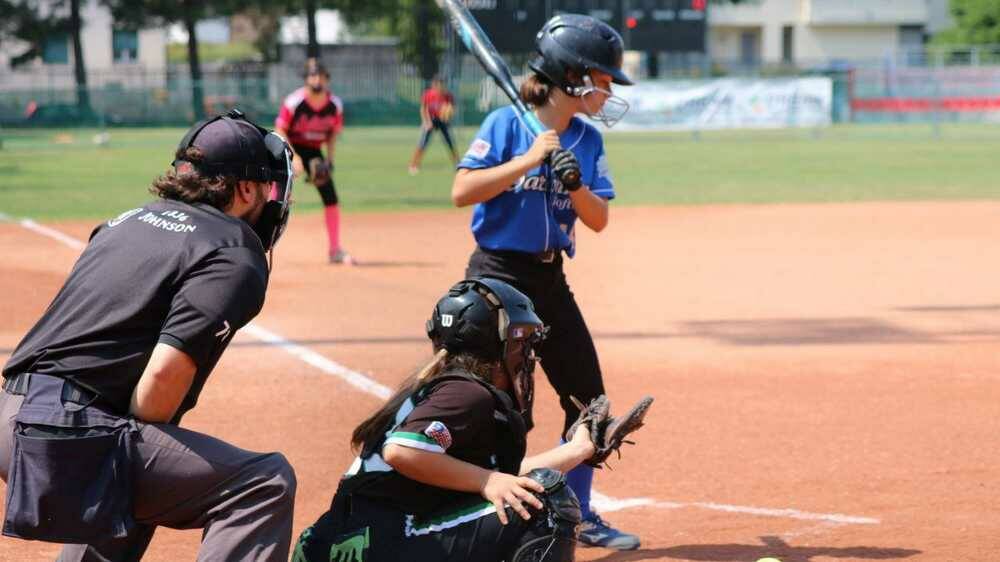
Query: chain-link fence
[932, 85]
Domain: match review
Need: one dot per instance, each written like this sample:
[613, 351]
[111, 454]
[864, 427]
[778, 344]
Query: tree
[417, 23]
[24, 26]
[24, 23]
[79, 68]
[977, 22]
[161, 13]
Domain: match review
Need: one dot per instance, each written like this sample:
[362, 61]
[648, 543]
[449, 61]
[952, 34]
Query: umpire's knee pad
[553, 538]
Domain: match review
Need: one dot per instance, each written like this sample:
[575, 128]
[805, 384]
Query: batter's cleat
[340, 257]
[594, 531]
[414, 170]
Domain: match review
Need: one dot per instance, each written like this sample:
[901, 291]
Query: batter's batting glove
[566, 168]
[319, 171]
[609, 433]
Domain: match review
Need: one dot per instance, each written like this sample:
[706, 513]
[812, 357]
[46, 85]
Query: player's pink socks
[333, 227]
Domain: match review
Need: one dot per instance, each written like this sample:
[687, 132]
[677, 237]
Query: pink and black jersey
[434, 100]
[307, 125]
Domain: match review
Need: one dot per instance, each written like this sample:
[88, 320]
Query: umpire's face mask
[274, 216]
[235, 146]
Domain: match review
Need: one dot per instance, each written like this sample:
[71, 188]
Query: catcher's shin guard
[552, 538]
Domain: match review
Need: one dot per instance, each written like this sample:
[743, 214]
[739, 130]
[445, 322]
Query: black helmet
[491, 320]
[577, 44]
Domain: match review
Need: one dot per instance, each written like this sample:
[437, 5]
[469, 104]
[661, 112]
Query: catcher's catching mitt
[607, 432]
[319, 171]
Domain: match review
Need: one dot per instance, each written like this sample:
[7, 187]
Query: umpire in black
[90, 446]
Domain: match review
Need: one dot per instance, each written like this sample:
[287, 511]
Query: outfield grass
[49, 174]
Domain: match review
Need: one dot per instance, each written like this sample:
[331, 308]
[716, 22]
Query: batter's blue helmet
[569, 46]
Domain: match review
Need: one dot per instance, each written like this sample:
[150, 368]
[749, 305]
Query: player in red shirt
[436, 106]
[310, 118]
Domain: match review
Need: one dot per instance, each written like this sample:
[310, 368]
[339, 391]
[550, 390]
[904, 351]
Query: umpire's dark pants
[568, 354]
[186, 480]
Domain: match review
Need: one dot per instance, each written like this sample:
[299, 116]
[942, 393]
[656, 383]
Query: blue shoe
[594, 531]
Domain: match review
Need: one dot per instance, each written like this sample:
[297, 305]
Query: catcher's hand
[608, 433]
[319, 171]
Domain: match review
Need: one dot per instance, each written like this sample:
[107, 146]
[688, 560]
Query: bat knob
[571, 177]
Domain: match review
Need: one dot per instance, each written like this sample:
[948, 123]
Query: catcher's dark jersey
[456, 417]
[159, 273]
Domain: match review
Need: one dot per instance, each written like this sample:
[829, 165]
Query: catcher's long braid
[434, 367]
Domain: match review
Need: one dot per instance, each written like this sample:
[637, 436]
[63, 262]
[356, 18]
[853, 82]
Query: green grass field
[50, 174]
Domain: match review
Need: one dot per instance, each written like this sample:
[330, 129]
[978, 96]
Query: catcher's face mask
[235, 146]
[520, 346]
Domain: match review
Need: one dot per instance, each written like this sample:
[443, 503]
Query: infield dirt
[827, 377]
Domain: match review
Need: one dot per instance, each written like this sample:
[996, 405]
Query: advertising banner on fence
[728, 103]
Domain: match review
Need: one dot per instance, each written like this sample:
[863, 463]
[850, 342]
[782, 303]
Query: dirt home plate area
[827, 378]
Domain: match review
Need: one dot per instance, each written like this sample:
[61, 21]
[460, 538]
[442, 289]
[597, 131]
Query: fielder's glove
[566, 168]
[608, 433]
[319, 171]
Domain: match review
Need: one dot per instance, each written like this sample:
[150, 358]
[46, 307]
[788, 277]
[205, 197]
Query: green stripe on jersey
[416, 526]
[415, 441]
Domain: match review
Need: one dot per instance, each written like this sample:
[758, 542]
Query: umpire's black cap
[232, 145]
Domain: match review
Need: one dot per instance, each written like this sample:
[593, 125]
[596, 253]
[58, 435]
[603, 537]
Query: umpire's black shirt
[185, 275]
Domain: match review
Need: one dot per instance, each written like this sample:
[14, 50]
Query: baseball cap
[232, 145]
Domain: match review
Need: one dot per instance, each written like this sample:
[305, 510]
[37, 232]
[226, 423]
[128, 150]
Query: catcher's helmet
[491, 320]
[569, 46]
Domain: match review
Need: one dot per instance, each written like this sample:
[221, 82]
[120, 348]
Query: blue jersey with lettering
[535, 214]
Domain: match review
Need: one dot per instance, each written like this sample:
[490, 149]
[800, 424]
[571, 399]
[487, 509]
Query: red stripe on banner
[922, 105]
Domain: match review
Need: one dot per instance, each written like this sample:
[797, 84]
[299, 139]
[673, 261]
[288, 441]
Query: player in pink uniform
[311, 118]
[436, 105]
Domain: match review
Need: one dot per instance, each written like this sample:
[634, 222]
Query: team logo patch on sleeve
[479, 148]
[439, 433]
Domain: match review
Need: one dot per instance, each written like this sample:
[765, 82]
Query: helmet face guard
[520, 355]
[613, 109]
[276, 169]
[491, 320]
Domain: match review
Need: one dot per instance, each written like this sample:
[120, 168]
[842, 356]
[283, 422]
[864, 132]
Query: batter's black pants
[568, 354]
[327, 191]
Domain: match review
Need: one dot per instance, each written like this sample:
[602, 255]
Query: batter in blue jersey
[535, 213]
[529, 192]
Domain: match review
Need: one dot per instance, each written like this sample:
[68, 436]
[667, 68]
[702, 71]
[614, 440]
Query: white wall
[822, 43]
[867, 29]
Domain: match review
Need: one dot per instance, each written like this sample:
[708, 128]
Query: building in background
[111, 55]
[805, 33]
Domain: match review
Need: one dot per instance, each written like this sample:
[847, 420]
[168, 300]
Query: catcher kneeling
[442, 473]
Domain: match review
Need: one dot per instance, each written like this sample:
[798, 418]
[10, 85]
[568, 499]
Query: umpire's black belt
[19, 384]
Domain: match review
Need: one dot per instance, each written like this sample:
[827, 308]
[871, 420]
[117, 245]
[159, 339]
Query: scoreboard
[645, 25]
[510, 24]
[664, 25]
